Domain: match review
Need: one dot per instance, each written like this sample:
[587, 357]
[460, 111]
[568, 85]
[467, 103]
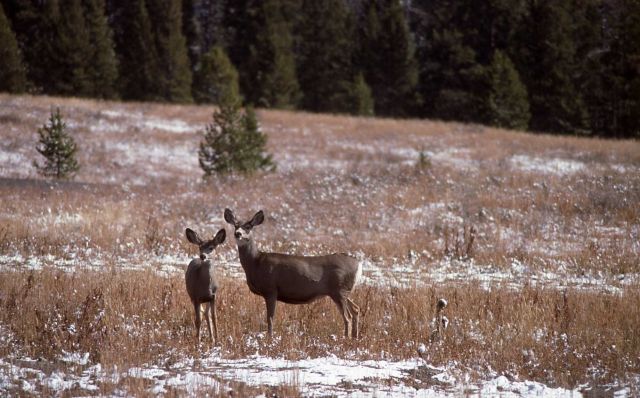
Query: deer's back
[200, 280]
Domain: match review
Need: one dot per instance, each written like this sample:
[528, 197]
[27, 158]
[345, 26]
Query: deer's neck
[248, 253]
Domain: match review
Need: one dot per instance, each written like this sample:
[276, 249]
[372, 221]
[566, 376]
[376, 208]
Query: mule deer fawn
[201, 282]
[296, 279]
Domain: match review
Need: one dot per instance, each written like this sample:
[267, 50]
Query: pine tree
[251, 153]
[627, 95]
[362, 98]
[102, 66]
[547, 59]
[271, 64]
[203, 26]
[34, 29]
[69, 50]
[174, 78]
[217, 79]
[612, 87]
[239, 40]
[507, 103]
[453, 83]
[138, 58]
[387, 58]
[233, 142]
[325, 66]
[58, 148]
[12, 73]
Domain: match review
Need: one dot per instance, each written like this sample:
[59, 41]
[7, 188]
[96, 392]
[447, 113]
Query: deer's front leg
[215, 320]
[196, 309]
[271, 311]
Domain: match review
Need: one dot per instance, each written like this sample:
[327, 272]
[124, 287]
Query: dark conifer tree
[361, 97]
[102, 66]
[174, 78]
[217, 79]
[624, 61]
[203, 26]
[453, 84]
[387, 58]
[137, 54]
[547, 59]
[508, 104]
[12, 72]
[68, 48]
[612, 74]
[271, 65]
[325, 54]
[33, 29]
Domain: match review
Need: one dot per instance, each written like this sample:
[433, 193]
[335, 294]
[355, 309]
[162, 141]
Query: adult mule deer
[296, 279]
[201, 282]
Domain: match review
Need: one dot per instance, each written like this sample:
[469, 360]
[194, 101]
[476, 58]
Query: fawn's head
[243, 229]
[206, 246]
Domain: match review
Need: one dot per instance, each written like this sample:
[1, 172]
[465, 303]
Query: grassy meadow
[533, 240]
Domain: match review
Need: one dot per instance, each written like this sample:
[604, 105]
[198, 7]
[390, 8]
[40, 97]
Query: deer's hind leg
[207, 317]
[355, 315]
[343, 307]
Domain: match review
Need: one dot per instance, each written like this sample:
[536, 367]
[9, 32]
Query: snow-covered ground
[403, 274]
[317, 377]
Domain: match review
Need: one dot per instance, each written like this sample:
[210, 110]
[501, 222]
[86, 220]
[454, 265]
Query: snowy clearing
[315, 377]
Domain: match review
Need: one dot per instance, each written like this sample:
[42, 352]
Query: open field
[545, 295]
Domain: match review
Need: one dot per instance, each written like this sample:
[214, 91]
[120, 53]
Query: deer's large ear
[257, 219]
[193, 237]
[220, 237]
[229, 217]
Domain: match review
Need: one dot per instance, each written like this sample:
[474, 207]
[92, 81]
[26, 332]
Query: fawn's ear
[220, 237]
[257, 219]
[229, 217]
[193, 237]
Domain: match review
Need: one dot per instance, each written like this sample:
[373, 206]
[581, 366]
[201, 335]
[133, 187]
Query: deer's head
[243, 229]
[206, 246]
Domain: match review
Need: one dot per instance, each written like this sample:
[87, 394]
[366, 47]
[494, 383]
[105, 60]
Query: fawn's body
[202, 284]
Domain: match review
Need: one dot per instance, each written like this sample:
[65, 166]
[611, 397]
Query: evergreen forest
[555, 66]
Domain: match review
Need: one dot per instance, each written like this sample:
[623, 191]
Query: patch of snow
[15, 164]
[174, 126]
[155, 159]
[313, 377]
[554, 166]
[288, 162]
[454, 157]
[503, 387]
[75, 357]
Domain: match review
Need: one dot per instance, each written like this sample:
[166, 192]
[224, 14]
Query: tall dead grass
[563, 338]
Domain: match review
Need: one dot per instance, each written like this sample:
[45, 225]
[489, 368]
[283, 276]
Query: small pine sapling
[58, 148]
[234, 143]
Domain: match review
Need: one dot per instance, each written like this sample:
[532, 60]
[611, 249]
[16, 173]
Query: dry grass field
[544, 290]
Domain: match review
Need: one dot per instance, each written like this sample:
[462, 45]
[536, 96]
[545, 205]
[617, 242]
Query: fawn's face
[206, 247]
[242, 230]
